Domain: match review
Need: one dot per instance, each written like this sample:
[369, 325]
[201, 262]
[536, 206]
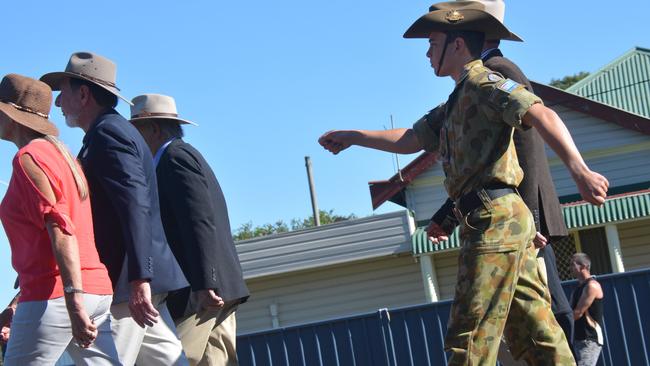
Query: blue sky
[265, 79]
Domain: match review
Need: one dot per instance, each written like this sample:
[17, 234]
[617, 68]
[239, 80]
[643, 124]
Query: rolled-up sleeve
[427, 128]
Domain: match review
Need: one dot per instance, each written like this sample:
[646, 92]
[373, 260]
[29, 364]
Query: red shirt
[23, 212]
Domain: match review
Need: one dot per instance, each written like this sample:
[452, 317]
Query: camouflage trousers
[499, 291]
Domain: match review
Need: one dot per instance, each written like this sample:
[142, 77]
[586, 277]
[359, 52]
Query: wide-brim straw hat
[27, 101]
[459, 19]
[90, 67]
[497, 8]
[155, 106]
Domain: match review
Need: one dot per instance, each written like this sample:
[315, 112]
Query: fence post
[384, 317]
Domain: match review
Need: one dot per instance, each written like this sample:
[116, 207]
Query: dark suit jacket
[537, 188]
[126, 214]
[195, 218]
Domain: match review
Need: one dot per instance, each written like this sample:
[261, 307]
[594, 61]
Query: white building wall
[331, 292]
[621, 169]
[427, 193]
[635, 244]
[591, 133]
[446, 269]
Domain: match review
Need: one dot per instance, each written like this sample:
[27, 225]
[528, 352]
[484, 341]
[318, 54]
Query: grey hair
[168, 127]
[582, 259]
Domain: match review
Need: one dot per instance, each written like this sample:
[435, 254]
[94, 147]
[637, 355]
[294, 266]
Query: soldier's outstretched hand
[592, 187]
[335, 141]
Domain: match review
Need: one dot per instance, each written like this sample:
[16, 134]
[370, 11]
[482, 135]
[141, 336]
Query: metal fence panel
[413, 336]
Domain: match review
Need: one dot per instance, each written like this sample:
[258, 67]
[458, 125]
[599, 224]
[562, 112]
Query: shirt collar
[486, 52]
[161, 151]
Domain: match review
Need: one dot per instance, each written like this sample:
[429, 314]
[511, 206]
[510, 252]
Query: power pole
[312, 192]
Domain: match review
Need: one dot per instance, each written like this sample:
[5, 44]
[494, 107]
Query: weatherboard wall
[330, 292]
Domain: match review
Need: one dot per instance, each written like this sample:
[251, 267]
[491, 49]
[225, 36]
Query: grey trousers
[41, 332]
[587, 352]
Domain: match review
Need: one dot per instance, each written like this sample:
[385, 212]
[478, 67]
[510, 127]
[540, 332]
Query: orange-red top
[24, 211]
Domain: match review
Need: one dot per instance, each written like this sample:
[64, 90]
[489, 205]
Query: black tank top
[583, 330]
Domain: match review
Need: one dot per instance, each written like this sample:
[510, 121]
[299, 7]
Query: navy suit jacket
[195, 218]
[126, 213]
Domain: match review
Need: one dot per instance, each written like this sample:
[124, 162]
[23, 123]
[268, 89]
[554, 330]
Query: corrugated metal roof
[616, 209]
[341, 242]
[624, 83]
[422, 245]
[576, 215]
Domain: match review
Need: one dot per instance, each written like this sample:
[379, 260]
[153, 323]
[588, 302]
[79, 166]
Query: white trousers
[41, 332]
[156, 345]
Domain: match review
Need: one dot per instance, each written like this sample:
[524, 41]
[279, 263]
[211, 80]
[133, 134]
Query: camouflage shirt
[473, 130]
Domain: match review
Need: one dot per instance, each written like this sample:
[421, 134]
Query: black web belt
[470, 201]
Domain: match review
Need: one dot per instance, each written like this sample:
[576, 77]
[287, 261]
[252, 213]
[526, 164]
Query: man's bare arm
[591, 185]
[398, 140]
[591, 292]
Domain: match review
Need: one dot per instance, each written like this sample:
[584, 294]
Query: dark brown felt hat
[470, 18]
[495, 7]
[27, 101]
[87, 66]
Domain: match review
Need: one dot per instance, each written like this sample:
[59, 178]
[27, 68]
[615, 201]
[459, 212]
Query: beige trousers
[209, 337]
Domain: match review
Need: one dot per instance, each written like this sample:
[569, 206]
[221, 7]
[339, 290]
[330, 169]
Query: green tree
[567, 81]
[326, 217]
[248, 231]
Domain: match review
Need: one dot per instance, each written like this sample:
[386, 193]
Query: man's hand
[6, 316]
[5, 323]
[592, 187]
[84, 330]
[435, 233]
[4, 335]
[209, 300]
[142, 310]
[540, 241]
[336, 141]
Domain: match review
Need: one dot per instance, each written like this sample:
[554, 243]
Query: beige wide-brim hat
[155, 106]
[497, 8]
[90, 67]
[27, 101]
[459, 19]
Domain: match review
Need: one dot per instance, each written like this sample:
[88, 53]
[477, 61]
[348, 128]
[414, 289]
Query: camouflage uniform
[498, 284]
